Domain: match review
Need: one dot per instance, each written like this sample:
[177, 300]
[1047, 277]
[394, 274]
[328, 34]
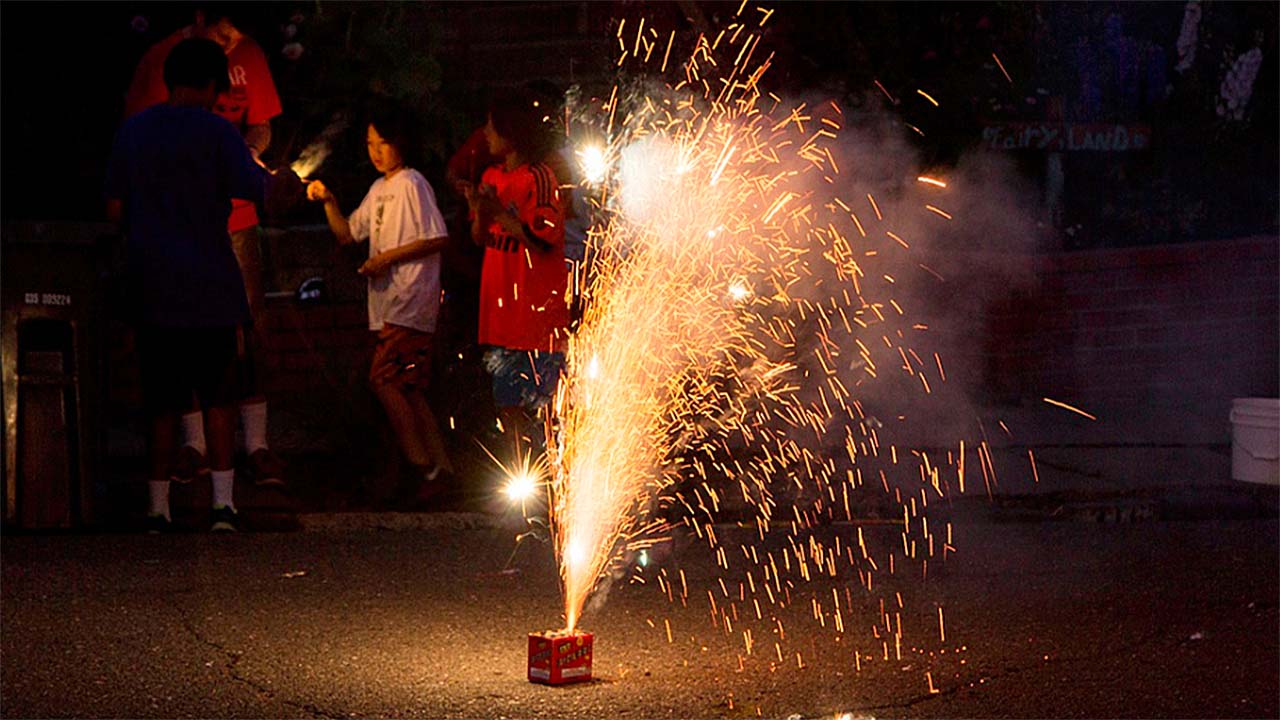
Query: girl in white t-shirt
[406, 233]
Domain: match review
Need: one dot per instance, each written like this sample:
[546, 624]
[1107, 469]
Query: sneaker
[225, 519]
[266, 468]
[188, 465]
[157, 525]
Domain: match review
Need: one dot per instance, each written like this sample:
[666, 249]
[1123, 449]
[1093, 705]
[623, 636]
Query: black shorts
[179, 364]
[251, 362]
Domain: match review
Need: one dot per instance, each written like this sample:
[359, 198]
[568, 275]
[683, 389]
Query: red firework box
[559, 657]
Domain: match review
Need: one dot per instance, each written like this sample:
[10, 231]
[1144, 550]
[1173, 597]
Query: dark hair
[400, 128]
[235, 13]
[194, 63]
[517, 117]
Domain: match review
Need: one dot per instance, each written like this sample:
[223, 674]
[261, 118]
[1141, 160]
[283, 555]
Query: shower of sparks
[735, 306]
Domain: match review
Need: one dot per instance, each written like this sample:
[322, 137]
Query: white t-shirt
[397, 212]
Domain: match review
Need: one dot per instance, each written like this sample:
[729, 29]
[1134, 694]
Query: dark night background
[66, 66]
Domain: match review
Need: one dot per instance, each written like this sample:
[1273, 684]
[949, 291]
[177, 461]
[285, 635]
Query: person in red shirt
[249, 104]
[518, 217]
[473, 157]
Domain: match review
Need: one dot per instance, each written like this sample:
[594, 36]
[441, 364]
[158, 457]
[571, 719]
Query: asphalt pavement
[1143, 618]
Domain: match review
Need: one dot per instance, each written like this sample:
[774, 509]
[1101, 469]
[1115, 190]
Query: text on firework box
[559, 657]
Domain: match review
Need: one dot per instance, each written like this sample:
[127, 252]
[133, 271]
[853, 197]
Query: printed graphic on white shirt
[394, 213]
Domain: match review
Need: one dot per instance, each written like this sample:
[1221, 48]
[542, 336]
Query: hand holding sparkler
[317, 192]
[487, 209]
[482, 199]
[509, 223]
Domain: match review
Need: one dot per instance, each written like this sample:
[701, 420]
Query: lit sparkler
[314, 154]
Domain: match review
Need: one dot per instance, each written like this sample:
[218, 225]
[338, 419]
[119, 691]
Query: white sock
[254, 419]
[223, 482]
[193, 430]
[160, 498]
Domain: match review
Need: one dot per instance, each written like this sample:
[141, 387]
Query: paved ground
[1043, 619]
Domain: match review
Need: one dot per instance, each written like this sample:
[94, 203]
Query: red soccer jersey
[523, 303]
[252, 99]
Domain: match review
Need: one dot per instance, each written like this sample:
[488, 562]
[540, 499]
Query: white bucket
[1255, 440]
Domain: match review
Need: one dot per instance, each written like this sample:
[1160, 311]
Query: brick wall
[492, 44]
[1158, 339]
[318, 353]
[320, 344]
[1145, 331]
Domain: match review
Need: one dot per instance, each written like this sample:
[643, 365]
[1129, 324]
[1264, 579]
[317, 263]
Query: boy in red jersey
[517, 215]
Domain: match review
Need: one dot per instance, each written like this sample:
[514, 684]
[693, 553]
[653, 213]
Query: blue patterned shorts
[523, 378]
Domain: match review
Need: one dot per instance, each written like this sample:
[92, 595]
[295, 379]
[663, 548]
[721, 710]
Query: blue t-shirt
[175, 169]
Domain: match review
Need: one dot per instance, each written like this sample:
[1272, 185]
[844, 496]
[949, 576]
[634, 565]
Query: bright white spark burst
[521, 486]
[594, 165]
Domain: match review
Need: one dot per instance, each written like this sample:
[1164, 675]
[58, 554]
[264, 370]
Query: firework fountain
[708, 229]
[735, 306]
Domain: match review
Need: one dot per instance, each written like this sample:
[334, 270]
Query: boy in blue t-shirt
[173, 171]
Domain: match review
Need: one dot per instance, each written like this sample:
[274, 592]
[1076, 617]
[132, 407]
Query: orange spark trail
[1072, 408]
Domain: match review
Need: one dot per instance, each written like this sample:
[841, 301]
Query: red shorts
[401, 358]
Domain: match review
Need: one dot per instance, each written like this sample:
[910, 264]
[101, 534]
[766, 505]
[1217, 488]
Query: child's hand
[375, 266]
[509, 223]
[317, 192]
[475, 196]
[484, 201]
